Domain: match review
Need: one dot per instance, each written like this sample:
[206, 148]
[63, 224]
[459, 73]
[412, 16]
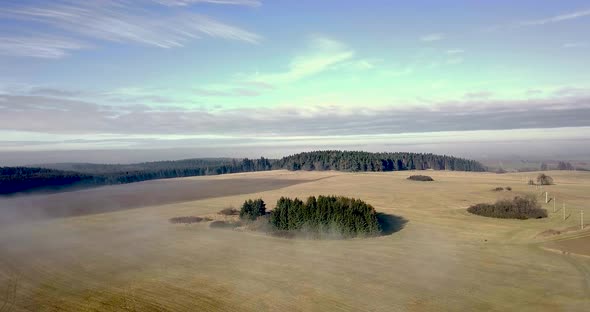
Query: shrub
[252, 209]
[340, 216]
[498, 189]
[509, 188]
[517, 208]
[188, 220]
[544, 179]
[229, 212]
[420, 178]
[222, 225]
[531, 182]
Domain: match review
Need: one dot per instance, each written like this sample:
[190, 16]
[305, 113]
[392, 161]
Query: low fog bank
[573, 150]
[22, 208]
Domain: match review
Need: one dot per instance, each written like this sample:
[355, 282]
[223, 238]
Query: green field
[444, 259]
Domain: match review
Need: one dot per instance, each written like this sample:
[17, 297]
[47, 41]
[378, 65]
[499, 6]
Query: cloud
[579, 44]
[116, 21]
[454, 61]
[557, 18]
[252, 3]
[478, 95]
[41, 47]
[432, 37]
[324, 53]
[225, 93]
[257, 84]
[55, 92]
[455, 51]
[478, 112]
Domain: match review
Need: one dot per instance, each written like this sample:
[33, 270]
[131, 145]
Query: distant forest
[54, 177]
[365, 161]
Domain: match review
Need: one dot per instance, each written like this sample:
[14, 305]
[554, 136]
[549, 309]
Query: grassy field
[443, 259]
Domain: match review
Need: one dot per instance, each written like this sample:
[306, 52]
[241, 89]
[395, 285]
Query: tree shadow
[390, 223]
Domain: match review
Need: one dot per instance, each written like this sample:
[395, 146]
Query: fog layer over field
[135, 259]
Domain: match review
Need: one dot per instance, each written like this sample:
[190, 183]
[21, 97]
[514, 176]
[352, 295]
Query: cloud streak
[61, 115]
[557, 18]
[325, 53]
[40, 47]
[251, 3]
[115, 21]
[432, 37]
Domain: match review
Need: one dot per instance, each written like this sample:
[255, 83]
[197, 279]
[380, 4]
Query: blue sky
[121, 74]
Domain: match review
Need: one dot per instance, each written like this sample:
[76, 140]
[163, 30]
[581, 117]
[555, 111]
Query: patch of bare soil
[128, 196]
[579, 245]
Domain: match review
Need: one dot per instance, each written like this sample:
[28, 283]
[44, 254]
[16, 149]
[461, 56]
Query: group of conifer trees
[365, 161]
[348, 217]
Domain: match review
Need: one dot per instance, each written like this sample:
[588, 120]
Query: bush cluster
[348, 217]
[188, 220]
[420, 178]
[229, 212]
[544, 179]
[252, 209]
[517, 208]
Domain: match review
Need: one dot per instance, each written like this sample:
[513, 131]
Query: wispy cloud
[41, 47]
[324, 53]
[557, 18]
[476, 111]
[478, 95]
[455, 51]
[570, 45]
[432, 37]
[117, 21]
[234, 92]
[252, 3]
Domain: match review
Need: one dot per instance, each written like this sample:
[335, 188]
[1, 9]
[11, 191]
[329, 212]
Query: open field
[128, 196]
[443, 259]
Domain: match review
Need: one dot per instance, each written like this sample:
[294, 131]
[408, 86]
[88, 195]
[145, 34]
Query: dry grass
[443, 259]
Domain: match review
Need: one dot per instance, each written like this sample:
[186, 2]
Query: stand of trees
[348, 216]
[365, 161]
[252, 209]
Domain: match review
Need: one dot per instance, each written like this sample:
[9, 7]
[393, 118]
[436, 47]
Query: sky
[246, 77]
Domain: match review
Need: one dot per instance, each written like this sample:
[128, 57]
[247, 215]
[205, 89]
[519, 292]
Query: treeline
[365, 161]
[67, 176]
[21, 179]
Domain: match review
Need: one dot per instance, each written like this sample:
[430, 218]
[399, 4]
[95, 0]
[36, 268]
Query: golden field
[443, 259]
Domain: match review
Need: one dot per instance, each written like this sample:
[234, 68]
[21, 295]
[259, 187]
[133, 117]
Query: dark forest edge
[68, 176]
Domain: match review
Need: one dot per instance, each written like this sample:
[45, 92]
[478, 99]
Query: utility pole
[546, 197]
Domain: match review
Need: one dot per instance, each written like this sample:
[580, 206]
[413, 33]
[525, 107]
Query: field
[107, 257]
